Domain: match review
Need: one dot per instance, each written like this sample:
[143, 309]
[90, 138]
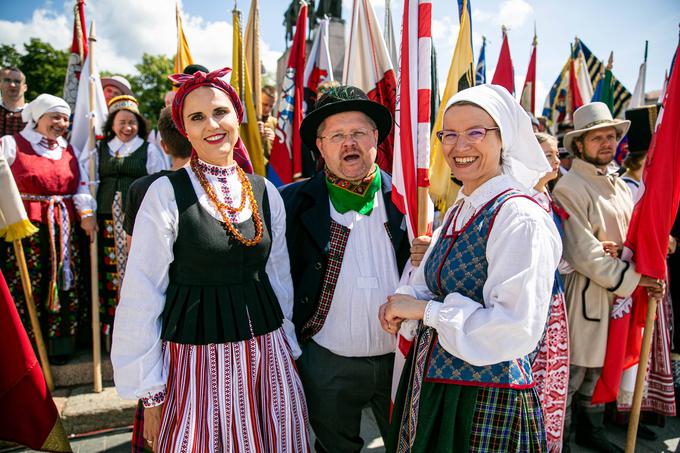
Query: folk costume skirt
[465, 418]
[231, 397]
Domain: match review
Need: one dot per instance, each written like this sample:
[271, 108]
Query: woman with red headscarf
[202, 333]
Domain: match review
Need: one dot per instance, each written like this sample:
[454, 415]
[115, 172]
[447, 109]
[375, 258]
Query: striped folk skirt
[232, 397]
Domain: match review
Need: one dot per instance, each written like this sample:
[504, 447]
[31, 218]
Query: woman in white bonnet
[481, 294]
[56, 196]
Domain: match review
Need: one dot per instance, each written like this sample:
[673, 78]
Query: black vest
[219, 290]
[117, 173]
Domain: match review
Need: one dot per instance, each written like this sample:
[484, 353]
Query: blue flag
[480, 72]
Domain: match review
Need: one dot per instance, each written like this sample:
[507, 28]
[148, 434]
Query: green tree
[9, 56]
[45, 68]
[151, 84]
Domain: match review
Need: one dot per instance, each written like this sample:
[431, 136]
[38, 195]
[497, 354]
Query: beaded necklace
[224, 209]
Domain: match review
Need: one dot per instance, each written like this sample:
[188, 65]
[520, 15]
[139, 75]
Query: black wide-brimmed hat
[642, 126]
[344, 98]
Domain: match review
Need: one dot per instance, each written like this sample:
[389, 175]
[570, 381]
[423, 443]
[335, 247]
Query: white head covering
[43, 104]
[522, 156]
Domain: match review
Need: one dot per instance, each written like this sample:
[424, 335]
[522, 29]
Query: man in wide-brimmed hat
[115, 86]
[599, 206]
[347, 248]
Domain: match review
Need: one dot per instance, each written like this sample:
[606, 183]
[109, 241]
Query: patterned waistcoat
[458, 264]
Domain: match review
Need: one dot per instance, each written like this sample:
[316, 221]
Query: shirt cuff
[432, 313]
[153, 400]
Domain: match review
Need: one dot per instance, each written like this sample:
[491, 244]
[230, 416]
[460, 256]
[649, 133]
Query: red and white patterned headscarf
[188, 83]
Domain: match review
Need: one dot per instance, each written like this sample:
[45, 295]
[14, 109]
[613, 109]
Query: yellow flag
[252, 45]
[461, 75]
[183, 56]
[241, 83]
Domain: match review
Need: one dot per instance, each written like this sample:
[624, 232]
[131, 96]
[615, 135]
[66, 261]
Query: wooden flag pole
[33, 313]
[94, 256]
[422, 211]
[640, 378]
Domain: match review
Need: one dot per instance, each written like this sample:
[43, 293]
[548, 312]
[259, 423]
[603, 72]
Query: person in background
[123, 155]
[56, 195]
[267, 124]
[13, 88]
[115, 86]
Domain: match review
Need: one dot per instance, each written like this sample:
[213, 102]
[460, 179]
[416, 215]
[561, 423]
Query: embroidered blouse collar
[216, 170]
[34, 137]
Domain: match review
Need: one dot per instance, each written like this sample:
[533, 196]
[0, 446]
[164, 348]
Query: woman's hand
[418, 249]
[610, 248]
[398, 308]
[672, 245]
[152, 425]
[89, 225]
[655, 287]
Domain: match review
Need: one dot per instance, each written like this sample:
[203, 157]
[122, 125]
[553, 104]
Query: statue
[331, 8]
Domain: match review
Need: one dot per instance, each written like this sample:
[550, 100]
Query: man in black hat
[347, 247]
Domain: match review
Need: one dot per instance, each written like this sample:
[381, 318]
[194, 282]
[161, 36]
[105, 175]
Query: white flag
[80, 133]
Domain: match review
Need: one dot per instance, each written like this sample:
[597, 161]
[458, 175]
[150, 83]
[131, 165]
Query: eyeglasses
[357, 135]
[10, 81]
[472, 135]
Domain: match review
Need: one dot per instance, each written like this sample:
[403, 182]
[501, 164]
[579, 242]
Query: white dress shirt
[367, 276]
[82, 199]
[522, 251]
[136, 351]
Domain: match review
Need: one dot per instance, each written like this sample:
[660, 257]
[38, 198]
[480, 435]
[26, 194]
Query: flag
[646, 241]
[318, 68]
[585, 85]
[638, 97]
[620, 95]
[371, 69]
[504, 75]
[461, 76]
[555, 107]
[78, 54]
[80, 132]
[253, 62]
[183, 55]
[528, 97]
[390, 39]
[285, 161]
[250, 134]
[480, 73]
[29, 416]
[575, 100]
[434, 87]
[410, 168]
[604, 90]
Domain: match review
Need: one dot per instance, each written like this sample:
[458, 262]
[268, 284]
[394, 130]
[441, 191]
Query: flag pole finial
[535, 41]
[610, 63]
[504, 30]
[93, 35]
[646, 48]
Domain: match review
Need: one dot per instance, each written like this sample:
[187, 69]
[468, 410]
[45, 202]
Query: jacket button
[304, 300]
[318, 266]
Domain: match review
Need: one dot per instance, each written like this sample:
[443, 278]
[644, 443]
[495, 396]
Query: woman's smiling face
[211, 124]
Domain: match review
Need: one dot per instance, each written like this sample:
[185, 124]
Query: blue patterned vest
[458, 264]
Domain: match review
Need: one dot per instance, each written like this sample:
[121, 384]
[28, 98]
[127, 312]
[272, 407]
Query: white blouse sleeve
[136, 355]
[8, 147]
[523, 251]
[155, 159]
[278, 266]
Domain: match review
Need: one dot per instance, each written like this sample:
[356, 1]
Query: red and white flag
[575, 100]
[504, 75]
[78, 55]
[285, 162]
[411, 165]
[528, 97]
[368, 66]
[647, 240]
[318, 68]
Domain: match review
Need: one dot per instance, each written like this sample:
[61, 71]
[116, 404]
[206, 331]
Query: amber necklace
[223, 208]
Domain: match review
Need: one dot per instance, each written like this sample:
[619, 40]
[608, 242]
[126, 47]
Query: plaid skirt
[456, 418]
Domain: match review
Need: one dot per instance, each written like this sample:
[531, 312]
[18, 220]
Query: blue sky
[127, 28]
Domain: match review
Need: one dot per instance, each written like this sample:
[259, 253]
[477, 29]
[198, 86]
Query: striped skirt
[232, 397]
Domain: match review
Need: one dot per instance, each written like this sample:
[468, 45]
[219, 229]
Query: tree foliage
[151, 84]
[9, 56]
[44, 67]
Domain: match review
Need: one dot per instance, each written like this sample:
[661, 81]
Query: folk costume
[11, 121]
[599, 206]
[467, 384]
[118, 165]
[203, 326]
[347, 247]
[55, 192]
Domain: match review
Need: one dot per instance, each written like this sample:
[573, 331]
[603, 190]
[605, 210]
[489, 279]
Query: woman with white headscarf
[56, 197]
[481, 294]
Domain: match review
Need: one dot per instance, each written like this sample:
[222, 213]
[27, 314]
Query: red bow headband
[188, 83]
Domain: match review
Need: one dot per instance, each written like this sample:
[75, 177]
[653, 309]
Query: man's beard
[598, 161]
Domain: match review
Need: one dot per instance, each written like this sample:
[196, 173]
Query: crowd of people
[243, 316]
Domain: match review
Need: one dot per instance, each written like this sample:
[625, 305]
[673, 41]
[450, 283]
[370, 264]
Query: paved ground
[119, 442]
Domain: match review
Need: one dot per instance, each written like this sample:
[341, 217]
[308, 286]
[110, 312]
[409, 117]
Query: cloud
[126, 29]
[512, 13]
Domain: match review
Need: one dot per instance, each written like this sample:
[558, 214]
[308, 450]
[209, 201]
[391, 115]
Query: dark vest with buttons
[457, 264]
[219, 290]
[117, 173]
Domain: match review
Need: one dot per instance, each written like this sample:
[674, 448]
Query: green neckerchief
[353, 196]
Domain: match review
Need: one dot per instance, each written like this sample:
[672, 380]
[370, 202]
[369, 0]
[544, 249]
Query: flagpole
[94, 256]
[33, 312]
[640, 378]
